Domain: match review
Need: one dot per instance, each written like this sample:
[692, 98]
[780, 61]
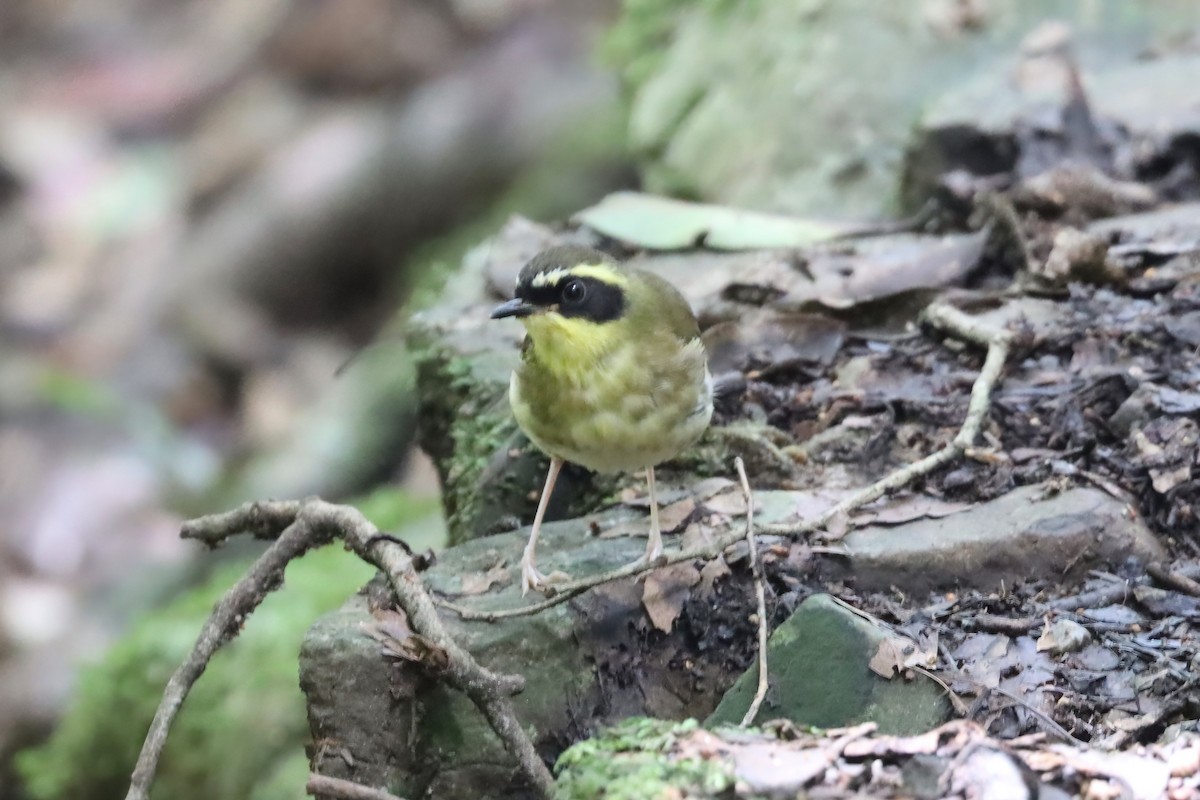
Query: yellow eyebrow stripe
[601, 272]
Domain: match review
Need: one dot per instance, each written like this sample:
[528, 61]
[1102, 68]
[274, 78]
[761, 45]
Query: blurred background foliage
[215, 218]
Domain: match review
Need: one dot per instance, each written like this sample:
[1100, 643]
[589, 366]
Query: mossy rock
[818, 667]
[771, 105]
[627, 762]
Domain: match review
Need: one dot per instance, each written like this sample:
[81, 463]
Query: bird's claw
[533, 578]
[654, 551]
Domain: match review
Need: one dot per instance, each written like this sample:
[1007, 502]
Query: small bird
[613, 375]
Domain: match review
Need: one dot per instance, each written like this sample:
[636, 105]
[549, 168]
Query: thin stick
[1175, 580]
[307, 523]
[954, 322]
[343, 790]
[222, 626]
[760, 593]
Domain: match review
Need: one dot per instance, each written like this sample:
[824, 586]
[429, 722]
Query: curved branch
[301, 525]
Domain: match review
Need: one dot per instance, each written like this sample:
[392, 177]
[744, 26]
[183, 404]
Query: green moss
[465, 420]
[631, 761]
[244, 715]
[637, 43]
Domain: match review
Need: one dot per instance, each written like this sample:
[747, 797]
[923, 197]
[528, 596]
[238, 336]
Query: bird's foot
[653, 555]
[533, 578]
[654, 550]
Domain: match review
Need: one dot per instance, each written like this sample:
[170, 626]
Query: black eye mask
[578, 297]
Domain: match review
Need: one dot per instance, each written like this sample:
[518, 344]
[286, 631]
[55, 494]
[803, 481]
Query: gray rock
[1027, 534]
[983, 127]
[587, 663]
[761, 104]
[819, 675]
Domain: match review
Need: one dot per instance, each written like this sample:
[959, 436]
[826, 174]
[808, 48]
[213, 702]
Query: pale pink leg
[530, 577]
[654, 547]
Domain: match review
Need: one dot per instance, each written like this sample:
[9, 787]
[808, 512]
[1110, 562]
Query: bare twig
[343, 790]
[1173, 579]
[1116, 593]
[760, 593]
[305, 524]
[960, 706]
[1010, 626]
[959, 325]
[222, 626]
[1047, 721]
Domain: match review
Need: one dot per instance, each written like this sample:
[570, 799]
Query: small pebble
[1063, 636]
[1185, 762]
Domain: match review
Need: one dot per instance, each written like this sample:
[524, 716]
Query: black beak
[513, 308]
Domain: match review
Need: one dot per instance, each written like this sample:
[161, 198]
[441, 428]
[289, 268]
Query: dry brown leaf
[838, 526]
[772, 340]
[889, 657]
[1164, 480]
[636, 496]
[897, 653]
[907, 509]
[392, 631]
[476, 583]
[633, 496]
[767, 769]
[672, 517]
[1145, 777]
[629, 527]
[731, 504]
[712, 572]
[708, 487]
[928, 743]
[694, 535]
[389, 624]
[665, 591]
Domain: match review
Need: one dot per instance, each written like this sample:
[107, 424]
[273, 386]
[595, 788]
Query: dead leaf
[838, 526]
[773, 340]
[1164, 480]
[1145, 777]
[670, 519]
[908, 508]
[731, 504]
[629, 527]
[665, 591]
[476, 583]
[897, 653]
[694, 535]
[984, 656]
[889, 658]
[673, 517]
[713, 571]
[812, 503]
[663, 223]
[637, 497]
[392, 631]
[767, 769]
[711, 486]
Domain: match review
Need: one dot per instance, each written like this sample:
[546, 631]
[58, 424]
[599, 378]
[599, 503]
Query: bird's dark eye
[573, 292]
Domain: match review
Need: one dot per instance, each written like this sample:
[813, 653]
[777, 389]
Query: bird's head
[571, 296]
